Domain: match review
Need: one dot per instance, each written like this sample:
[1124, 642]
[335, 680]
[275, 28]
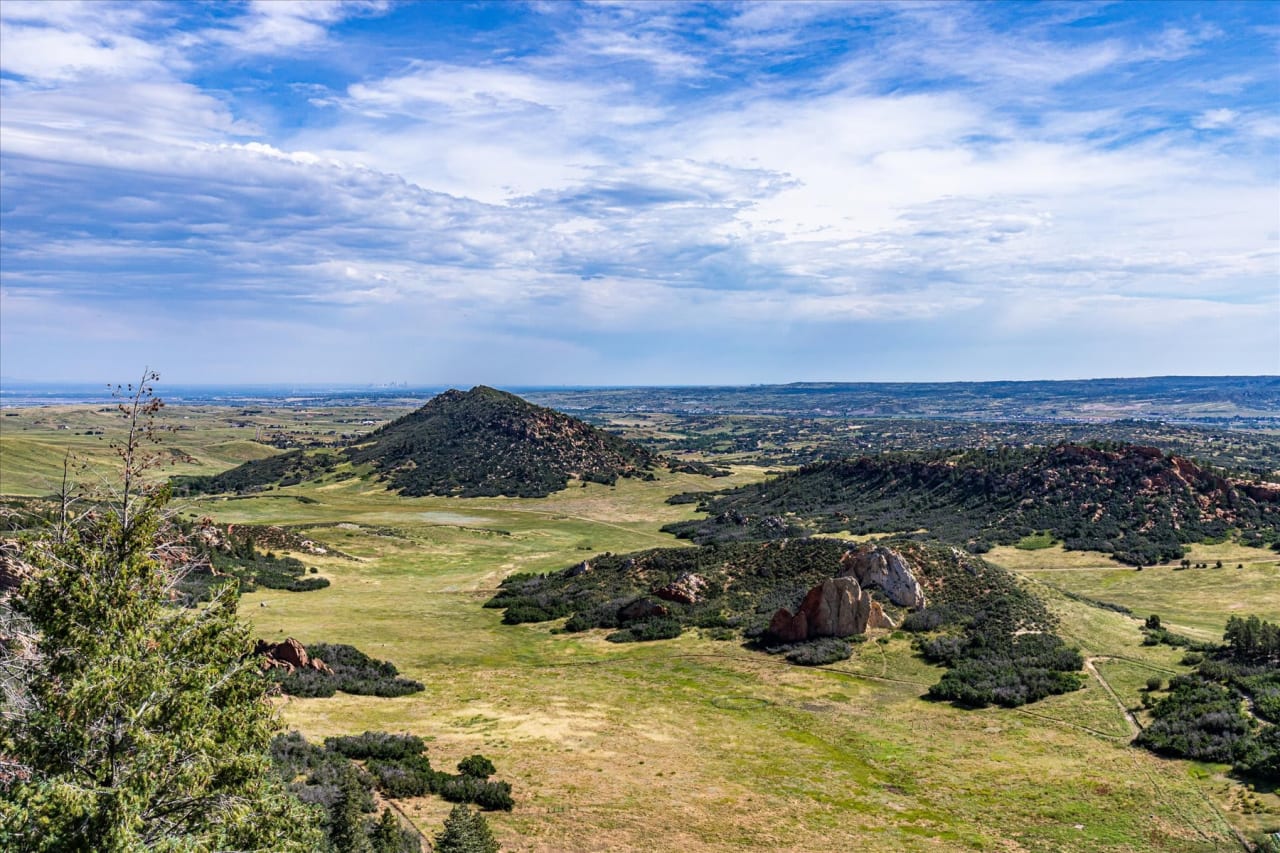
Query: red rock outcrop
[686, 589]
[288, 655]
[837, 607]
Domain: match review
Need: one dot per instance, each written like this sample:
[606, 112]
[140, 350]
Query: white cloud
[624, 180]
[275, 26]
[1215, 119]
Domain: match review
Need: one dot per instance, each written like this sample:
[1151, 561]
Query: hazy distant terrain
[1242, 401]
[1251, 400]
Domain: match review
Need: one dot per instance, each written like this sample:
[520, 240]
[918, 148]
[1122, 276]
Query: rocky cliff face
[837, 607]
[842, 606]
[886, 569]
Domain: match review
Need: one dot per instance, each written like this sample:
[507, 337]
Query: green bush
[820, 652]
[353, 672]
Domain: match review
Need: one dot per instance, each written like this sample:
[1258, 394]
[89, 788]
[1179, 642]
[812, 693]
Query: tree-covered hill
[996, 638]
[476, 443]
[486, 442]
[1132, 502]
[284, 469]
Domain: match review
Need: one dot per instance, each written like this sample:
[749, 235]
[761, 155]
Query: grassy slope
[1196, 602]
[699, 745]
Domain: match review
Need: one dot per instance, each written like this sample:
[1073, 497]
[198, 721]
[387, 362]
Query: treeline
[1206, 715]
[284, 469]
[1251, 639]
[793, 440]
[1131, 502]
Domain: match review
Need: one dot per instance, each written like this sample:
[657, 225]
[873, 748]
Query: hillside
[486, 442]
[1132, 502]
[804, 597]
[477, 443]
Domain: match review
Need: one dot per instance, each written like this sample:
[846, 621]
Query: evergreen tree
[142, 726]
[347, 832]
[389, 836]
[465, 831]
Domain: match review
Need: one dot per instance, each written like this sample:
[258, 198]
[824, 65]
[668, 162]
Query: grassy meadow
[701, 745]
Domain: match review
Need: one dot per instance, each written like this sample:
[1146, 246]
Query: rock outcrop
[288, 655]
[686, 589]
[580, 569]
[886, 569]
[837, 607]
[641, 609]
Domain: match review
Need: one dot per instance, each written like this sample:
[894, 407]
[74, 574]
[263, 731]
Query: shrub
[476, 766]
[376, 745]
[820, 652]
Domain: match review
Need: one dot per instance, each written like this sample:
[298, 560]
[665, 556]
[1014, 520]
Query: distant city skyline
[641, 193]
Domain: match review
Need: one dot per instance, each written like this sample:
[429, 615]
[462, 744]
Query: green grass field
[700, 745]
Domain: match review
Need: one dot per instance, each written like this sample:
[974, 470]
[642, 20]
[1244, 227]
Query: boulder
[580, 569]
[788, 628]
[837, 607]
[686, 589]
[320, 666]
[887, 569]
[641, 609]
[288, 654]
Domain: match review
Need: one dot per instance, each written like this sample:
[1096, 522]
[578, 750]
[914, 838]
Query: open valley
[698, 743]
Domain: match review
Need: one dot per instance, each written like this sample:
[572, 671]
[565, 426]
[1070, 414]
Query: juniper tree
[143, 726]
[465, 831]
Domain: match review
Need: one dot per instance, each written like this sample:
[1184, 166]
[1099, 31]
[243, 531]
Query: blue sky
[638, 193]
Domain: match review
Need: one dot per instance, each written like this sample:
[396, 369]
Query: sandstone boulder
[320, 666]
[837, 607]
[288, 654]
[641, 609]
[686, 589]
[887, 569]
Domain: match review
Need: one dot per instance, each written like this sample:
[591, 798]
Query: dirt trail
[1135, 728]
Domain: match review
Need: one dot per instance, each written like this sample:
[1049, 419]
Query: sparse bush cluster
[663, 628]
[399, 767]
[353, 672]
[818, 652]
[329, 777]
[285, 469]
[993, 668]
[1204, 716]
[244, 565]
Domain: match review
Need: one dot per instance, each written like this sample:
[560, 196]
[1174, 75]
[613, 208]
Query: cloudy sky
[638, 193]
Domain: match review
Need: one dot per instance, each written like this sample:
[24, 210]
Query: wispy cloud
[614, 186]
